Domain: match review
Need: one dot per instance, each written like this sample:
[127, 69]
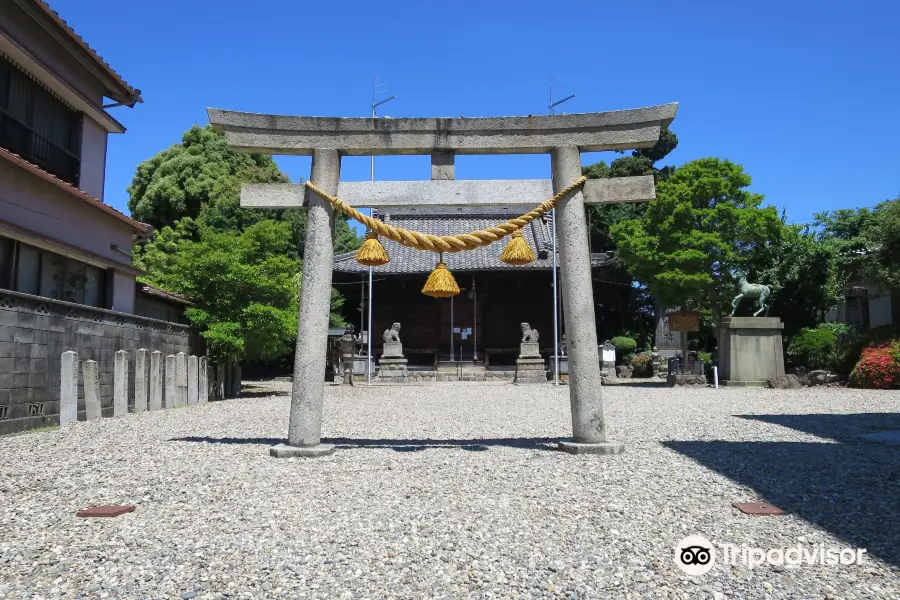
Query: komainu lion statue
[392, 334]
[529, 334]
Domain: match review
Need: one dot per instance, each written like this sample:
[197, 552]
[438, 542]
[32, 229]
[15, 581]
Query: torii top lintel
[355, 136]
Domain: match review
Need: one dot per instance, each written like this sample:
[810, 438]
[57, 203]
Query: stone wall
[435, 376]
[35, 331]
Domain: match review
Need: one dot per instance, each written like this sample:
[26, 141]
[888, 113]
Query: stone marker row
[186, 382]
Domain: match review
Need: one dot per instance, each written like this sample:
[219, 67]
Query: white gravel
[449, 491]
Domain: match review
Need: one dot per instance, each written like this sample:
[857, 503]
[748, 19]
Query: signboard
[684, 321]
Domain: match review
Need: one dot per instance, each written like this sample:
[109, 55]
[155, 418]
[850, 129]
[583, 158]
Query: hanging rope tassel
[517, 251]
[372, 253]
[441, 283]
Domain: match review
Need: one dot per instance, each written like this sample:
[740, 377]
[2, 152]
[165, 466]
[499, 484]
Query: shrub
[838, 329]
[815, 349]
[625, 347]
[642, 364]
[864, 339]
[879, 367]
[707, 359]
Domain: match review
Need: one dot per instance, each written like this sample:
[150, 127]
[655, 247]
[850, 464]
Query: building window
[38, 126]
[30, 270]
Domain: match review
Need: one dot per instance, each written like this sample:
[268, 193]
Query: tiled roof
[159, 293]
[486, 258]
[71, 189]
[135, 94]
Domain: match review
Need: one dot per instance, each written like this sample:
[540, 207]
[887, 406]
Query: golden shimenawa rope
[445, 243]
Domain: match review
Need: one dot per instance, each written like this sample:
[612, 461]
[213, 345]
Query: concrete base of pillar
[285, 451]
[598, 448]
[531, 370]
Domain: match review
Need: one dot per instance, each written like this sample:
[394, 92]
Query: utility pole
[375, 105]
[550, 106]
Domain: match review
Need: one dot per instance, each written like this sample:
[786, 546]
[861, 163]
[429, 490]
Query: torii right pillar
[585, 395]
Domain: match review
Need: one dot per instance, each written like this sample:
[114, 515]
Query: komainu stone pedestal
[530, 367]
[750, 350]
[392, 365]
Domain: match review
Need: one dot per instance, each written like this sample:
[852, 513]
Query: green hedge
[816, 349]
[625, 347]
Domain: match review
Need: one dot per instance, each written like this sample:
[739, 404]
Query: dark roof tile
[487, 258]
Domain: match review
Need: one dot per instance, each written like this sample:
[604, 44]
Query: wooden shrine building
[484, 320]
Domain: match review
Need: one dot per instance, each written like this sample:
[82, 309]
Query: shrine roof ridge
[404, 259]
[299, 135]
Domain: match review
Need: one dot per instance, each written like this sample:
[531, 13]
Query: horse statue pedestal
[750, 350]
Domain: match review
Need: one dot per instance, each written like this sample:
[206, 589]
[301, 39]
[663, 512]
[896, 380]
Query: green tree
[885, 235]
[703, 225]
[868, 240]
[850, 229]
[624, 306]
[201, 179]
[803, 271]
[244, 285]
[200, 172]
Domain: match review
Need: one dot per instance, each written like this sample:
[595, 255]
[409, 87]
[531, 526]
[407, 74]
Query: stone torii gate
[564, 137]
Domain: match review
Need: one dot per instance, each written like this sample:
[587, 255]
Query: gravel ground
[451, 491]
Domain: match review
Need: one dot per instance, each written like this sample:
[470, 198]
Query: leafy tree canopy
[640, 162]
[244, 285]
[702, 226]
[804, 273]
[624, 307]
[886, 238]
[868, 239]
[201, 178]
[199, 172]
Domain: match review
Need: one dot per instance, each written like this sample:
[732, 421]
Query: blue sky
[803, 94]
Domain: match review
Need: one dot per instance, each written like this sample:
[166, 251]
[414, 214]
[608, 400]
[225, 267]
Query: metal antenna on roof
[550, 107]
[553, 104]
[375, 104]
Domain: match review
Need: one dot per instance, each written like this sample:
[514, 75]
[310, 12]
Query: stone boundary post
[171, 392]
[193, 380]
[156, 380]
[91, 374]
[120, 384]
[203, 381]
[140, 380]
[181, 379]
[220, 381]
[68, 388]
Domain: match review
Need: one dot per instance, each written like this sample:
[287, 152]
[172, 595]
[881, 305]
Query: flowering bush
[641, 364]
[879, 367]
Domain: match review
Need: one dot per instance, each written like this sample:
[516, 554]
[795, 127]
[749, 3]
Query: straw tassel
[441, 283]
[517, 251]
[372, 253]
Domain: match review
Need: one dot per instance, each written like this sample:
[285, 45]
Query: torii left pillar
[305, 426]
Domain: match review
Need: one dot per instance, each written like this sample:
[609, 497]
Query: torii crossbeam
[564, 137]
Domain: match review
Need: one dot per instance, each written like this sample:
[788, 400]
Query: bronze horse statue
[756, 291]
